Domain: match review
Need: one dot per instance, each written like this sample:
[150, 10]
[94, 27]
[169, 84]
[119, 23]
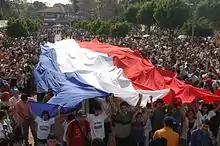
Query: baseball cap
[81, 114]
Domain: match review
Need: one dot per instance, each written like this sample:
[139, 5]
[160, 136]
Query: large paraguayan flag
[75, 74]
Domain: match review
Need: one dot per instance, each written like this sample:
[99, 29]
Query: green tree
[146, 14]
[5, 9]
[84, 24]
[210, 10]
[203, 27]
[171, 13]
[131, 13]
[120, 29]
[104, 29]
[38, 5]
[17, 28]
[22, 27]
[33, 24]
[94, 26]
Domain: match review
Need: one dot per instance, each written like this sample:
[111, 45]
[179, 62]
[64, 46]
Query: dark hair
[191, 110]
[98, 108]
[205, 105]
[52, 136]
[24, 97]
[2, 114]
[159, 101]
[70, 117]
[45, 112]
[138, 114]
[98, 142]
[124, 103]
[168, 121]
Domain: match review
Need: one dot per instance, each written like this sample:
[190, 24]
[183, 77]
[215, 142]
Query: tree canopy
[172, 14]
[104, 28]
[22, 27]
[167, 14]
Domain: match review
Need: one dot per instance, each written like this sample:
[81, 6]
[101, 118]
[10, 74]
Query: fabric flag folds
[76, 73]
[145, 76]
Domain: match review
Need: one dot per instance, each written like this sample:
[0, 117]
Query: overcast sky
[52, 2]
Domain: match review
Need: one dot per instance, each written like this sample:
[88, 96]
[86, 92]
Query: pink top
[12, 101]
[23, 111]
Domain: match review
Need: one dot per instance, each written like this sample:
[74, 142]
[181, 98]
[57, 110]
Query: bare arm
[134, 116]
[58, 113]
[172, 96]
[138, 103]
[114, 107]
[32, 113]
[145, 115]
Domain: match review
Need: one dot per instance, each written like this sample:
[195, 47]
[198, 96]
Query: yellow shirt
[167, 133]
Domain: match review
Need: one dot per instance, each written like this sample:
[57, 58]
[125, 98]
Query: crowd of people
[113, 122]
[196, 62]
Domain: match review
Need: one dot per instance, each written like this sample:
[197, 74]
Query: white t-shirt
[2, 134]
[208, 116]
[44, 127]
[65, 125]
[97, 125]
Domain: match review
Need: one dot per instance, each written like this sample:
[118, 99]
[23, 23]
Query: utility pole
[194, 8]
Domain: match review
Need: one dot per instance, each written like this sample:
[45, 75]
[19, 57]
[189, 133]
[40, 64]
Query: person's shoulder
[89, 115]
[85, 121]
[18, 102]
[72, 121]
[195, 131]
[160, 131]
[31, 99]
[65, 123]
[176, 134]
[38, 119]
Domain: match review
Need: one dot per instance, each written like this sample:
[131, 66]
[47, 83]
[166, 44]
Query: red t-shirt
[73, 134]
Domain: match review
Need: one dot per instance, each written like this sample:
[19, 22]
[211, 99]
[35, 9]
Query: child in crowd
[44, 124]
[52, 140]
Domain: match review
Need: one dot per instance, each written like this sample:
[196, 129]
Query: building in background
[58, 14]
